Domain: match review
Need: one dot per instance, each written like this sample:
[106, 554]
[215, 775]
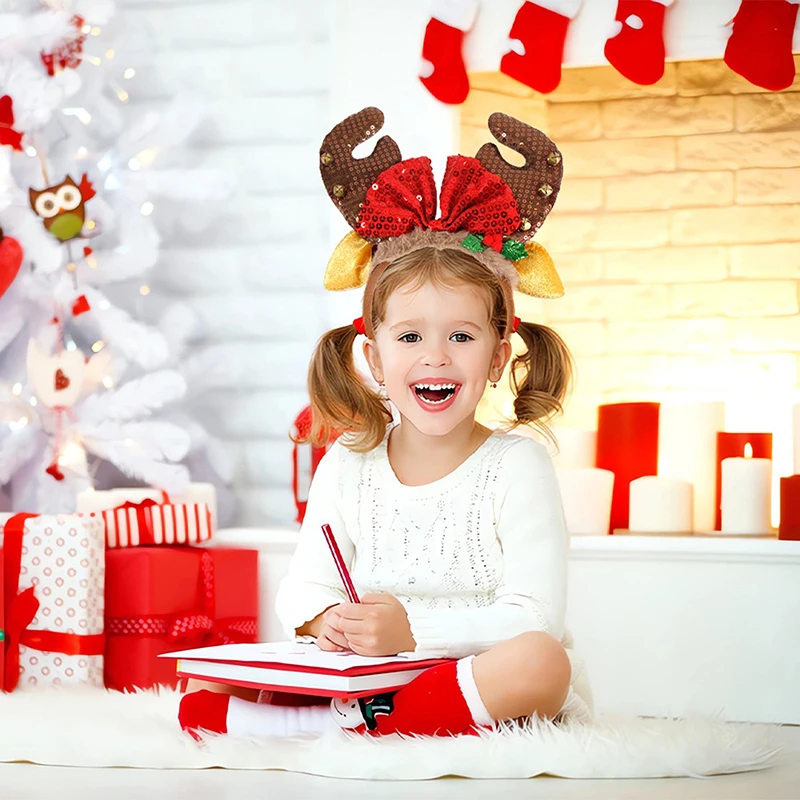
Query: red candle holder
[732, 445]
[790, 508]
[627, 444]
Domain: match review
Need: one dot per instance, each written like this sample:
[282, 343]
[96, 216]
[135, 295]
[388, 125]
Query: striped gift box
[148, 523]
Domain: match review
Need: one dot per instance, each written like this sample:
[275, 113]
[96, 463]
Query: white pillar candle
[586, 495]
[661, 504]
[687, 447]
[577, 447]
[746, 494]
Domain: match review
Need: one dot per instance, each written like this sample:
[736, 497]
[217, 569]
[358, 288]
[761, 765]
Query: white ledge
[726, 549]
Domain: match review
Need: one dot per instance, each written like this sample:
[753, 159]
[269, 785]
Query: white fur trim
[466, 682]
[567, 8]
[634, 22]
[459, 14]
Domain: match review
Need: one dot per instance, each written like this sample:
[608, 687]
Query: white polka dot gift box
[54, 573]
[142, 517]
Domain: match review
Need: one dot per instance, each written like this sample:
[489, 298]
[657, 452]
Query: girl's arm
[312, 584]
[532, 592]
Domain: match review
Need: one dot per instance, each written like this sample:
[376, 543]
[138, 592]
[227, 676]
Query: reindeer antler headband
[489, 206]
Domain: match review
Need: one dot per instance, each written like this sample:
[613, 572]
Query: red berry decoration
[10, 261]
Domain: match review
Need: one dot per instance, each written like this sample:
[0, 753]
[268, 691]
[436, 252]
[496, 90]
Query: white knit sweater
[475, 558]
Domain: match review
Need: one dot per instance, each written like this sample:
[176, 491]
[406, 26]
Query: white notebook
[302, 668]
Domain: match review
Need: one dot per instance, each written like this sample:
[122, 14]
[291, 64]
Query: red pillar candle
[790, 508]
[627, 444]
[732, 445]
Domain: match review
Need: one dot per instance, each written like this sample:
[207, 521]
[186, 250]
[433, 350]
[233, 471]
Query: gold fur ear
[348, 266]
[537, 273]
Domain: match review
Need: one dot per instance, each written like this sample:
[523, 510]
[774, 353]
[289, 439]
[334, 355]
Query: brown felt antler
[536, 184]
[347, 178]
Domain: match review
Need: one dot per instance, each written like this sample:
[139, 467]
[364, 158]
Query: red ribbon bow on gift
[473, 199]
[21, 610]
[144, 517]
[196, 629]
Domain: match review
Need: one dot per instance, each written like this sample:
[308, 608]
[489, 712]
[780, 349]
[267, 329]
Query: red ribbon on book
[197, 628]
[22, 607]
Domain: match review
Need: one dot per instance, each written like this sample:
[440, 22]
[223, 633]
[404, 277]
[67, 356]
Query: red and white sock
[536, 42]
[222, 713]
[443, 71]
[636, 48]
[442, 701]
[760, 46]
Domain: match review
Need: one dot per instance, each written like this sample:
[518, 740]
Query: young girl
[454, 534]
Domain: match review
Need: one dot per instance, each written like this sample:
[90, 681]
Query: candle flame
[748, 450]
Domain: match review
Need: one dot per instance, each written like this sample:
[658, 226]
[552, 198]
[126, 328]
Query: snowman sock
[536, 42]
[442, 701]
[223, 713]
[760, 45]
[443, 71]
[636, 48]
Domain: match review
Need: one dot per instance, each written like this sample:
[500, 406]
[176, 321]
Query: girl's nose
[436, 356]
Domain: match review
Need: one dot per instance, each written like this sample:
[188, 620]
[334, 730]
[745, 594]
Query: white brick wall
[255, 275]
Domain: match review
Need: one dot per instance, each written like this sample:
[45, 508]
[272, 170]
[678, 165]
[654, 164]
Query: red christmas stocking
[636, 48]
[760, 46]
[443, 71]
[537, 39]
[442, 701]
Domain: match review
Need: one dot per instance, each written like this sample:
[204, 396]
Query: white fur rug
[93, 728]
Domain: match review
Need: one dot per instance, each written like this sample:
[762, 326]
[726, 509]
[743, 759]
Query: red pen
[340, 565]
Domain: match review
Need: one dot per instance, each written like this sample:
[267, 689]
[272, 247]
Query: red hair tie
[358, 324]
[517, 321]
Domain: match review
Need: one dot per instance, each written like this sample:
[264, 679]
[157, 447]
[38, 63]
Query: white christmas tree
[83, 380]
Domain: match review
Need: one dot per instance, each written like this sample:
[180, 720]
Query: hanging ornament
[8, 136]
[10, 261]
[61, 207]
[760, 45]
[443, 72]
[636, 48]
[57, 383]
[57, 380]
[536, 42]
[67, 54]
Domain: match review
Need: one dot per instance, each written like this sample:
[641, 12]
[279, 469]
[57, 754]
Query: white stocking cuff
[466, 682]
[458, 14]
[567, 8]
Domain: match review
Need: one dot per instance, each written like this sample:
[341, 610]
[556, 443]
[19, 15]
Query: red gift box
[2, 618]
[162, 599]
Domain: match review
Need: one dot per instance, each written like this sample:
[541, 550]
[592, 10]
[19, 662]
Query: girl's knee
[544, 671]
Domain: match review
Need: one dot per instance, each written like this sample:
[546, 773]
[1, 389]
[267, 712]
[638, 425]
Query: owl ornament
[62, 208]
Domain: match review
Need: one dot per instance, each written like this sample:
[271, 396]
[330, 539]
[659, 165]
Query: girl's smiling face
[435, 351]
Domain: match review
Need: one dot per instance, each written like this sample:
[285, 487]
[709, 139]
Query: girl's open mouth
[435, 396]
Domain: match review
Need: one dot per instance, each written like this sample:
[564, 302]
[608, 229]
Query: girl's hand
[377, 626]
[330, 636]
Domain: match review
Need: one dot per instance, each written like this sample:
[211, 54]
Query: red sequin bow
[472, 199]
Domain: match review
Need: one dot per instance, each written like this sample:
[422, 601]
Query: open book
[301, 668]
